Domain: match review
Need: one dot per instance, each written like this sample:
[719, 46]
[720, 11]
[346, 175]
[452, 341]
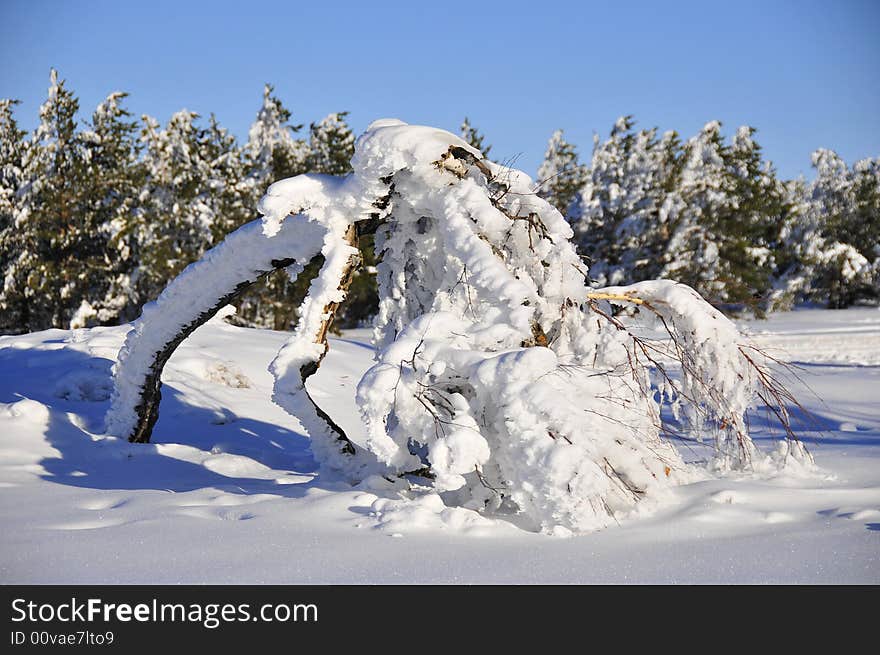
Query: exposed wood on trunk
[329, 313]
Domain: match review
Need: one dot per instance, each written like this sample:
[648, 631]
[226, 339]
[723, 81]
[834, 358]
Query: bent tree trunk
[194, 297]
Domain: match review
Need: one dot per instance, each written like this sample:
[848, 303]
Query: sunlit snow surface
[228, 491]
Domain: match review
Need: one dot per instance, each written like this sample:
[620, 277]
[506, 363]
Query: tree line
[712, 213]
[96, 217]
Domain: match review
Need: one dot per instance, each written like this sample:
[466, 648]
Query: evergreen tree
[597, 212]
[273, 153]
[42, 285]
[183, 186]
[729, 227]
[111, 201]
[230, 185]
[12, 152]
[472, 136]
[750, 228]
[621, 214]
[560, 176]
[842, 218]
[692, 255]
[331, 145]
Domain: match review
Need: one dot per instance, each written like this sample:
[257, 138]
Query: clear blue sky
[805, 73]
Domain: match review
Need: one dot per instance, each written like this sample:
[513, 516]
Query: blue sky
[805, 73]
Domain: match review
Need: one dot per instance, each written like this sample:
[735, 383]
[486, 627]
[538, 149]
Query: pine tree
[52, 232]
[177, 219]
[843, 210]
[272, 151]
[111, 203]
[472, 136]
[560, 176]
[12, 149]
[692, 255]
[729, 226]
[12, 152]
[799, 241]
[596, 212]
[230, 186]
[331, 145]
[751, 226]
[622, 213]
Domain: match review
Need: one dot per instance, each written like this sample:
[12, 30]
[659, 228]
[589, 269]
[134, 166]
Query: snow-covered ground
[228, 492]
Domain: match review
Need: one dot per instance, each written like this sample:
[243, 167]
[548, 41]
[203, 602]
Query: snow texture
[229, 493]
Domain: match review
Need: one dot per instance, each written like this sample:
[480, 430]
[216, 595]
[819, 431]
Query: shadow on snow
[87, 459]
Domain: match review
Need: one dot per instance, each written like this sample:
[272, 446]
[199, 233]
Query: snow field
[229, 492]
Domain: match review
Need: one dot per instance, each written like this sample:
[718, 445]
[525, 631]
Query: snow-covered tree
[12, 152]
[331, 145]
[231, 187]
[194, 191]
[621, 215]
[52, 234]
[560, 176]
[727, 226]
[503, 382]
[111, 201]
[12, 147]
[692, 255]
[831, 254]
[749, 225]
[273, 152]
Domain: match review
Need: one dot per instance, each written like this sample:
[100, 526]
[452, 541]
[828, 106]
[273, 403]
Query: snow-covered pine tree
[194, 189]
[272, 150]
[864, 225]
[729, 221]
[750, 228]
[231, 194]
[503, 381]
[472, 136]
[111, 204]
[622, 213]
[12, 152]
[560, 176]
[53, 237]
[12, 148]
[835, 242]
[331, 145]
[650, 235]
[597, 212]
[692, 254]
[797, 252]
